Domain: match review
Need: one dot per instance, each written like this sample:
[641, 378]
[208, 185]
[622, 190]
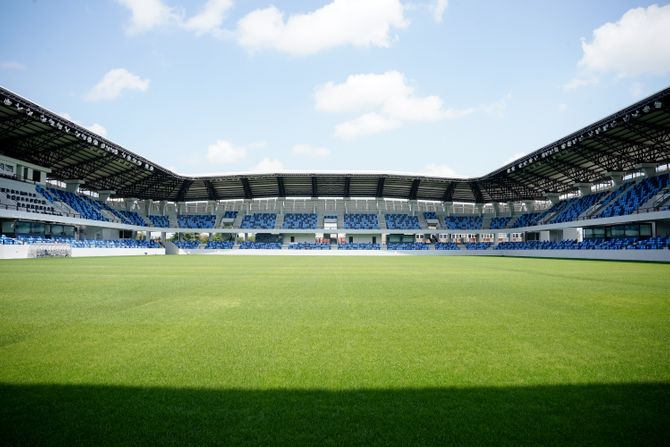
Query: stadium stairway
[486, 220]
[422, 220]
[382, 221]
[659, 200]
[279, 223]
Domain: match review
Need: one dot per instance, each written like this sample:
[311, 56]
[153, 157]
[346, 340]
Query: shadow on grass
[630, 414]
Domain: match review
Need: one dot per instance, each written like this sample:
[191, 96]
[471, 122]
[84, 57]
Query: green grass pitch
[232, 350]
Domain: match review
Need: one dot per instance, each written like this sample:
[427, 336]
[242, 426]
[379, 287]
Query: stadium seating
[359, 246]
[23, 197]
[430, 215]
[187, 245]
[630, 243]
[85, 206]
[401, 222]
[446, 246]
[160, 221]
[308, 246]
[132, 218]
[196, 221]
[529, 219]
[4, 240]
[407, 246]
[260, 245]
[90, 243]
[361, 221]
[463, 222]
[478, 245]
[498, 223]
[630, 201]
[219, 245]
[571, 209]
[264, 221]
[230, 215]
[299, 221]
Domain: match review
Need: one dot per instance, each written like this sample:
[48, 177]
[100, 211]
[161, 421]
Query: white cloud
[269, 166]
[391, 97]
[149, 14]
[11, 65]
[98, 129]
[95, 127]
[639, 43]
[342, 22]
[367, 124]
[224, 152]
[439, 170]
[114, 82]
[210, 18]
[439, 8]
[310, 151]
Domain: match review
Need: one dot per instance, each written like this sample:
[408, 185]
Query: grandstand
[603, 190]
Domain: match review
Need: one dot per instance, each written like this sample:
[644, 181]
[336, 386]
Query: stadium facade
[600, 192]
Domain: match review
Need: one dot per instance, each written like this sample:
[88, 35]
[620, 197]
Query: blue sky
[455, 88]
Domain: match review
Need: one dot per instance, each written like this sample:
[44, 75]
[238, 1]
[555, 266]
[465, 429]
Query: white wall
[83, 252]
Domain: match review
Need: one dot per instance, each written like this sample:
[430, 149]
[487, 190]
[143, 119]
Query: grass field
[334, 351]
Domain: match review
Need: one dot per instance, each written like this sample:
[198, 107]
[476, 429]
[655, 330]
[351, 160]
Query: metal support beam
[211, 191]
[347, 187]
[414, 190]
[314, 187]
[380, 187]
[449, 192]
[280, 187]
[183, 190]
[247, 188]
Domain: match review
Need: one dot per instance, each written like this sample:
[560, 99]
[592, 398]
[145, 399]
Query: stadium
[602, 192]
[141, 306]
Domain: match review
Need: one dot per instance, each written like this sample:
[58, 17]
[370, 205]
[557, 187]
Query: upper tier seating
[359, 246]
[85, 206]
[498, 223]
[132, 218]
[264, 221]
[529, 219]
[260, 245]
[219, 245]
[401, 222]
[196, 221]
[187, 245]
[463, 222]
[631, 200]
[571, 209]
[299, 221]
[407, 246]
[24, 197]
[430, 215]
[308, 246]
[446, 246]
[160, 221]
[230, 215]
[360, 221]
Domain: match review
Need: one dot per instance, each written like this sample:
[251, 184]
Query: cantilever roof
[635, 135]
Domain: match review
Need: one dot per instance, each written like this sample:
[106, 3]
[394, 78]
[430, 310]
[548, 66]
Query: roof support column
[584, 188]
[530, 205]
[72, 185]
[510, 205]
[552, 197]
[104, 195]
[649, 169]
[617, 177]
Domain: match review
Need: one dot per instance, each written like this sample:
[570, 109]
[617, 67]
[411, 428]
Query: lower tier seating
[359, 246]
[407, 246]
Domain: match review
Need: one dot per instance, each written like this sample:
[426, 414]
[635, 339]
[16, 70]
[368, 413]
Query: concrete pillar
[449, 208]
[130, 203]
[510, 206]
[162, 208]
[43, 177]
[649, 169]
[72, 185]
[211, 207]
[617, 177]
[530, 205]
[584, 188]
[496, 208]
[552, 197]
[104, 195]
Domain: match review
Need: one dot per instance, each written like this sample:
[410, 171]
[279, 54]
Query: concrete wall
[13, 251]
[83, 252]
[299, 237]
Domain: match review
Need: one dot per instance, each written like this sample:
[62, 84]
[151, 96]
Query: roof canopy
[621, 142]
